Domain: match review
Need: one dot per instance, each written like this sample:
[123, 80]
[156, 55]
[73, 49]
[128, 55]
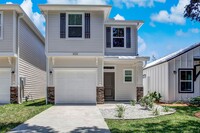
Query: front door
[109, 85]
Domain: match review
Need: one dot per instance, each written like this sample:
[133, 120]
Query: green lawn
[183, 121]
[12, 115]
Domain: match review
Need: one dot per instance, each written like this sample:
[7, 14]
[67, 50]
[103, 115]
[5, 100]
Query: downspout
[18, 79]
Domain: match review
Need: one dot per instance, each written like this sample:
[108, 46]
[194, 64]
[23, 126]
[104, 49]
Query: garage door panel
[5, 83]
[75, 86]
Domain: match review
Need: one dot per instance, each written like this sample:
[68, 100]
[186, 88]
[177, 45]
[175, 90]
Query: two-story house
[91, 58]
[22, 57]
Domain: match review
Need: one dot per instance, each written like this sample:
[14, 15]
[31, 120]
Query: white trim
[125, 75]
[124, 27]
[71, 54]
[1, 25]
[8, 54]
[83, 26]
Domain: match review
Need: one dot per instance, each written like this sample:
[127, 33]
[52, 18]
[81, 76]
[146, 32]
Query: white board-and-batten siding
[163, 77]
[32, 62]
[156, 80]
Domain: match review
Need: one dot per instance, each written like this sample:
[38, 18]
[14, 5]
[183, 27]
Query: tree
[192, 10]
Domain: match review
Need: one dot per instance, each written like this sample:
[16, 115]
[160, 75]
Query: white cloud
[38, 19]
[100, 2]
[132, 3]
[119, 17]
[188, 32]
[174, 16]
[9, 3]
[142, 44]
[152, 24]
[195, 30]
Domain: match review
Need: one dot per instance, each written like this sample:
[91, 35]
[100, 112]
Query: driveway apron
[66, 119]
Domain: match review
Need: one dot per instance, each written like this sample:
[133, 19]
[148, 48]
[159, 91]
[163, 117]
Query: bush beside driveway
[12, 115]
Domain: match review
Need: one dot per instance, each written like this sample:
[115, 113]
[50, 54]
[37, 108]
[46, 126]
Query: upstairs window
[118, 37]
[75, 25]
[186, 81]
[1, 25]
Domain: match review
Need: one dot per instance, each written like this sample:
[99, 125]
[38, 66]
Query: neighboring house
[22, 57]
[175, 76]
[91, 58]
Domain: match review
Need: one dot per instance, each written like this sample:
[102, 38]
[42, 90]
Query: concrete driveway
[66, 119]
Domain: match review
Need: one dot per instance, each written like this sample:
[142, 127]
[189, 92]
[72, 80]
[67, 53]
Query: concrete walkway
[65, 119]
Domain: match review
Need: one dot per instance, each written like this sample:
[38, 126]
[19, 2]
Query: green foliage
[147, 101]
[156, 112]
[133, 102]
[120, 110]
[195, 101]
[12, 115]
[156, 96]
[165, 109]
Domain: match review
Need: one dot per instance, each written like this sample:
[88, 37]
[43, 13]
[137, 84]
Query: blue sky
[165, 30]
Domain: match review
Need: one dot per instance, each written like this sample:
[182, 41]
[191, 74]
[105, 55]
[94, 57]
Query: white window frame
[1, 25]
[124, 80]
[192, 82]
[67, 26]
[124, 27]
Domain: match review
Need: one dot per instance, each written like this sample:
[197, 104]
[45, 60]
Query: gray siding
[6, 44]
[32, 62]
[124, 51]
[92, 45]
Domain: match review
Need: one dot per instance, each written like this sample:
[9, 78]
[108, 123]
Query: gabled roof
[76, 7]
[172, 56]
[18, 9]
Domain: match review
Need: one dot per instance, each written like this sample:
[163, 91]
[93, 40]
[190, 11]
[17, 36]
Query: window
[75, 25]
[128, 76]
[186, 81]
[118, 37]
[1, 25]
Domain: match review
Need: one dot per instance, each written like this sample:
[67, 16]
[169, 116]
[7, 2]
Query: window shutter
[63, 25]
[87, 25]
[108, 37]
[128, 37]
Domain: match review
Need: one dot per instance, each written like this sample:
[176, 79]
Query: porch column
[139, 83]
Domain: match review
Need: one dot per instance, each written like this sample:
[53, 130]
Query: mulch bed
[197, 114]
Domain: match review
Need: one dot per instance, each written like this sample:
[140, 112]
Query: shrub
[195, 101]
[120, 110]
[133, 102]
[147, 101]
[156, 111]
[156, 96]
[165, 109]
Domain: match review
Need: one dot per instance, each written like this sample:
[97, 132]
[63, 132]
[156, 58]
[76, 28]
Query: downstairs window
[186, 81]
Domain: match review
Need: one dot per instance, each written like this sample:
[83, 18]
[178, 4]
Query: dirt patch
[175, 104]
[197, 114]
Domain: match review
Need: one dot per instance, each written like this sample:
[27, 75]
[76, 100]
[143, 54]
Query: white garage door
[75, 86]
[5, 83]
